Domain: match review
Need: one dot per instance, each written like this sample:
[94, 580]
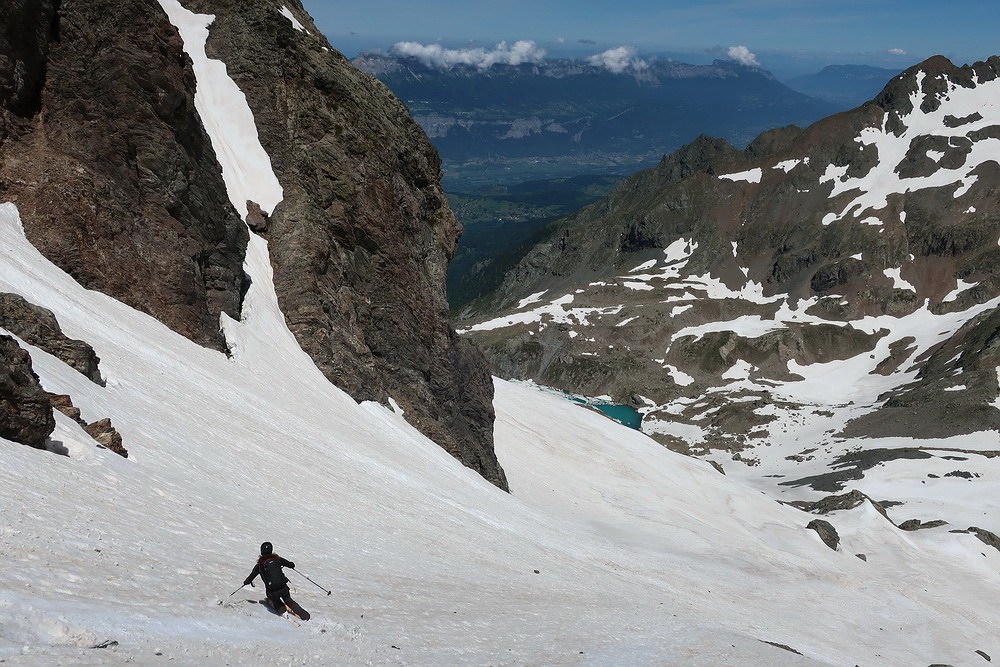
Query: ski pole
[232, 594]
[312, 582]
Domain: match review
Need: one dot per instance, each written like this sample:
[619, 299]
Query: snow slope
[644, 556]
[610, 550]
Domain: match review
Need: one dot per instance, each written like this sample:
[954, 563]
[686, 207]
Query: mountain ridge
[713, 291]
[570, 116]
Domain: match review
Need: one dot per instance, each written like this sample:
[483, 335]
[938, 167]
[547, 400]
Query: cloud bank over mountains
[435, 55]
[618, 59]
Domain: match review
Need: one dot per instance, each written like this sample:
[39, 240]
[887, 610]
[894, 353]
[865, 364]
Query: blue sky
[879, 32]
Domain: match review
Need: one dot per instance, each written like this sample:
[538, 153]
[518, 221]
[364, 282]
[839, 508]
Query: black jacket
[269, 569]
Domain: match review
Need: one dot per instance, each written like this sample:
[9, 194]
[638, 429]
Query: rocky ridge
[828, 291]
[361, 241]
[38, 326]
[115, 178]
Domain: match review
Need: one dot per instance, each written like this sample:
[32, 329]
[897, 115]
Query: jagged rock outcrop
[114, 177]
[102, 431]
[106, 436]
[25, 410]
[38, 326]
[836, 503]
[116, 182]
[361, 242]
[826, 532]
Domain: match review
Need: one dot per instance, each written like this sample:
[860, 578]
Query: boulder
[25, 411]
[826, 532]
[106, 436]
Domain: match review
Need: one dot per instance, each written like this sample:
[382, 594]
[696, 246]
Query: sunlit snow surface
[643, 556]
[223, 109]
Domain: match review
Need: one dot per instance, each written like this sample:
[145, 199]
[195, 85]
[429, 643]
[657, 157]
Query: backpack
[271, 574]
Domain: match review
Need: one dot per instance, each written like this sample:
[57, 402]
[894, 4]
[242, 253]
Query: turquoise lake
[623, 414]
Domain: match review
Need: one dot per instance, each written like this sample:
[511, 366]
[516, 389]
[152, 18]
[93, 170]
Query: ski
[288, 617]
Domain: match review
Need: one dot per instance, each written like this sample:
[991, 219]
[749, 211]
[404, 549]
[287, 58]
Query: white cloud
[618, 59]
[435, 55]
[743, 56]
[897, 52]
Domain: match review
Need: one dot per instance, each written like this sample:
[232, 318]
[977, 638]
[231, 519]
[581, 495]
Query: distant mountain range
[562, 117]
[817, 313]
[845, 85]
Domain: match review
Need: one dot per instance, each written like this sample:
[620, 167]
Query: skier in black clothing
[275, 582]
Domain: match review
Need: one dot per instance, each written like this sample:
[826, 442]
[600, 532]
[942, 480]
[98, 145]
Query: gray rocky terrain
[828, 289]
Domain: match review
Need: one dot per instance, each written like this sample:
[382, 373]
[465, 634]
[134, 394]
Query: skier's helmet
[266, 549]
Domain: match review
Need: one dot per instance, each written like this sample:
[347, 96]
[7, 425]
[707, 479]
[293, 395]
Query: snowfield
[609, 550]
[643, 556]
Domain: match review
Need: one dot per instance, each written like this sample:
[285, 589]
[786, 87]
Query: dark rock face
[826, 532]
[108, 163]
[836, 503]
[103, 433]
[25, 410]
[38, 326]
[64, 404]
[26, 27]
[361, 242]
[917, 524]
[986, 537]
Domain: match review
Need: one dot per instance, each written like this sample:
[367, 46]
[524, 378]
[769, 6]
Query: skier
[275, 582]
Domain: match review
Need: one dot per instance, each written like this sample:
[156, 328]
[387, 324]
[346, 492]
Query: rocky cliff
[837, 282]
[111, 169]
[117, 182]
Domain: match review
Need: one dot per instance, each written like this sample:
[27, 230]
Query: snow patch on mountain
[961, 287]
[555, 312]
[893, 145]
[287, 13]
[787, 165]
[897, 280]
[750, 175]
